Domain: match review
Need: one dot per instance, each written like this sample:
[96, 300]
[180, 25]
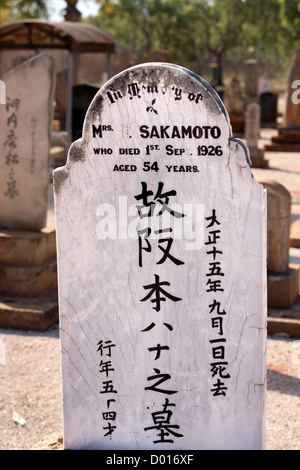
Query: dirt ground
[31, 401]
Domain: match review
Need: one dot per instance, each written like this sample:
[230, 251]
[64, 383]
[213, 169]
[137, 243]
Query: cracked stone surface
[163, 337]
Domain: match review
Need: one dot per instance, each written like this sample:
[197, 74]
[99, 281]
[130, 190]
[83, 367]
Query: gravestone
[252, 128]
[28, 267]
[235, 105]
[161, 243]
[288, 137]
[292, 112]
[252, 125]
[283, 276]
[82, 96]
[268, 104]
[251, 75]
[25, 124]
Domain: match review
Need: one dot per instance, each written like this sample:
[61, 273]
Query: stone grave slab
[25, 136]
[235, 105]
[283, 276]
[27, 247]
[292, 112]
[36, 313]
[161, 243]
[288, 137]
[28, 270]
[252, 135]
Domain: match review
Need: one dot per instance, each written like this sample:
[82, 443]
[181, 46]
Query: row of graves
[257, 106]
[160, 262]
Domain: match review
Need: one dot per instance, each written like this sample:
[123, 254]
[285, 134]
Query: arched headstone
[283, 276]
[161, 238]
[252, 135]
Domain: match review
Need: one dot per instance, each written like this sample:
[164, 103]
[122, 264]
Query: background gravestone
[235, 105]
[252, 128]
[288, 137]
[25, 133]
[161, 243]
[268, 104]
[283, 276]
[292, 112]
[28, 269]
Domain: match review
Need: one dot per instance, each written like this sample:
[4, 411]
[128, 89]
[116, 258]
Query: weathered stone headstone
[25, 136]
[252, 125]
[288, 138]
[292, 112]
[283, 277]
[28, 270]
[233, 98]
[235, 105]
[161, 243]
[252, 128]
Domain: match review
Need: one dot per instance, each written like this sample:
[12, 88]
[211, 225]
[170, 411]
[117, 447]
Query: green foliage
[144, 25]
[12, 10]
[268, 30]
[290, 21]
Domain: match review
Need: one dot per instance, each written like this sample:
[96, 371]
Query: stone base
[282, 148]
[38, 313]
[28, 272]
[283, 288]
[28, 281]
[287, 140]
[27, 248]
[27, 262]
[285, 321]
[295, 235]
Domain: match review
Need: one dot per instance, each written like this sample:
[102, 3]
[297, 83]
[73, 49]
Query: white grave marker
[161, 237]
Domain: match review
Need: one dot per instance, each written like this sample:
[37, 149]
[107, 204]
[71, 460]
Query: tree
[188, 28]
[12, 10]
[144, 25]
[221, 25]
[290, 21]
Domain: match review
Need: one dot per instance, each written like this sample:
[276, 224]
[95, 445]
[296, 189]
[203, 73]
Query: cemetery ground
[30, 380]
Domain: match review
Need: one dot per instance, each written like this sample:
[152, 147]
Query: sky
[86, 7]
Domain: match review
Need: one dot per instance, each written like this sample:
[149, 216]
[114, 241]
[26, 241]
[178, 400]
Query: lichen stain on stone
[76, 154]
[59, 176]
[240, 144]
[168, 74]
[153, 74]
[95, 109]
